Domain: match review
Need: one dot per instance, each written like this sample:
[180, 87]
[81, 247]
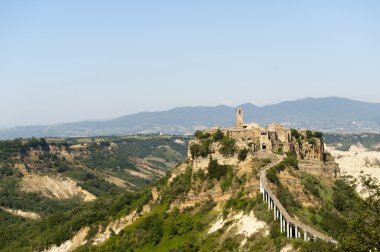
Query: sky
[64, 61]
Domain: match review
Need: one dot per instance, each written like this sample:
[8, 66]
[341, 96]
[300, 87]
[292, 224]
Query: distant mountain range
[331, 114]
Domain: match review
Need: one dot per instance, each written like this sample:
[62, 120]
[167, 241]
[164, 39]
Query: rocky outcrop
[309, 149]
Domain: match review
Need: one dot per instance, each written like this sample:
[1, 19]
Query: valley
[136, 193]
[40, 178]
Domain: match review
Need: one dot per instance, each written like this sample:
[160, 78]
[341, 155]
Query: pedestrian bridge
[292, 227]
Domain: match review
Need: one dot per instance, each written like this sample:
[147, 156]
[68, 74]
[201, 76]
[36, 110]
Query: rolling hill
[331, 114]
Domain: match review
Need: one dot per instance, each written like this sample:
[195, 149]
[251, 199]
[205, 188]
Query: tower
[239, 118]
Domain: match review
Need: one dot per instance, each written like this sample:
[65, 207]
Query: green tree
[215, 170]
[318, 134]
[309, 134]
[218, 135]
[198, 134]
[228, 146]
[363, 218]
[195, 150]
[242, 154]
[295, 133]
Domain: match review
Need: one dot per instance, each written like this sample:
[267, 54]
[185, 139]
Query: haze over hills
[331, 114]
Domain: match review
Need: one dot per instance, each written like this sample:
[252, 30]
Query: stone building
[255, 137]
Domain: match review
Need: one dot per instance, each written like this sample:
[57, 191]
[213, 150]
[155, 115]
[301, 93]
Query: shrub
[199, 175]
[181, 184]
[230, 244]
[295, 133]
[228, 146]
[291, 160]
[205, 148]
[285, 197]
[227, 179]
[242, 154]
[318, 135]
[311, 141]
[272, 175]
[311, 184]
[263, 162]
[215, 170]
[202, 149]
[240, 202]
[201, 135]
[309, 134]
[279, 151]
[195, 150]
[218, 135]
[6, 171]
[198, 134]
[150, 230]
[207, 206]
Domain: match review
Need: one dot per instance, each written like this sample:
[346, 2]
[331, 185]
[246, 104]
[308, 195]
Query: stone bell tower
[239, 118]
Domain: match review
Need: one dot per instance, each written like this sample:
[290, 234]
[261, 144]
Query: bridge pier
[269, 203]
[277, 213]
[305, 236]
[296, 231]
[287, 229]
[281, 224]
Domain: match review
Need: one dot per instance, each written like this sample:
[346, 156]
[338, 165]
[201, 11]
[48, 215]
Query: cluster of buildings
[255, 137]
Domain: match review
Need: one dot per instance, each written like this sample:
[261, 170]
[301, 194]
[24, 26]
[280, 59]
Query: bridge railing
[291, 226]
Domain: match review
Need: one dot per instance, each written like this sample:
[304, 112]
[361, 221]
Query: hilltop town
[272, 139]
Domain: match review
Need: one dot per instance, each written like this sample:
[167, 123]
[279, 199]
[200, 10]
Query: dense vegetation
[308, 135]
[216, 170]
[227, 146]
[87, 164]
[59, 227]
[203, 148]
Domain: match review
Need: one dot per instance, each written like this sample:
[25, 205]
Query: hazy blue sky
[73, 60]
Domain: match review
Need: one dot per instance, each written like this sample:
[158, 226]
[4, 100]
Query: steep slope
[207, 203]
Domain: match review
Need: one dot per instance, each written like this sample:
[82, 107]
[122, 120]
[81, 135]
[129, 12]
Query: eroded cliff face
[314, 159]
[36, 178]
[309, 149]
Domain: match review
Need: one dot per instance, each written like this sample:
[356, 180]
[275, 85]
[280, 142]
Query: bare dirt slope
[54, 187]
[71, 245]
[358, 160]
[24, 214]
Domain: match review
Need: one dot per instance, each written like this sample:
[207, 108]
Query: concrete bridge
[292, 227]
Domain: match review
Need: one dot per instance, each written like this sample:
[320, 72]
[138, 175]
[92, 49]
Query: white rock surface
[353, 162]
[245, 224]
